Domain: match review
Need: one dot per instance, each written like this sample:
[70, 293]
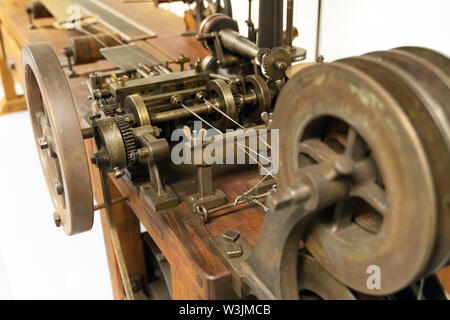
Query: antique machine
[364, 155]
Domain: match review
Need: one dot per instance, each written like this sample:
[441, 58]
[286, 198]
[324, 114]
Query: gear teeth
[260, 55]
[127, 136]
[216, 22]
[268, 63]
[109, 110]
[238, 99]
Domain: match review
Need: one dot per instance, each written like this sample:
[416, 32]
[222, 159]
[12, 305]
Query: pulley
[380, 119]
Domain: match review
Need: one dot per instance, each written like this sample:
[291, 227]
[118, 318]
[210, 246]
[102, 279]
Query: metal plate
[403, 245]
[54, 117]
[126, 27]
[129, 57]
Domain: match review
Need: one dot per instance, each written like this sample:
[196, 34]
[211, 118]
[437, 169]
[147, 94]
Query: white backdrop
[38, 261]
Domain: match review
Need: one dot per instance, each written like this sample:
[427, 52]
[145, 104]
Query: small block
[231, 235]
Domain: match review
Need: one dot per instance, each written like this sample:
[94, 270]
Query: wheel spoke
[355, 146]
[373, 194]
[317, 150]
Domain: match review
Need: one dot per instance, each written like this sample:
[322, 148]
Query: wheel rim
[410, 80]
[54, 118]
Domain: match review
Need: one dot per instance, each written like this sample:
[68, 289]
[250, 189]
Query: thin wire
[220, 132]
[231, 119]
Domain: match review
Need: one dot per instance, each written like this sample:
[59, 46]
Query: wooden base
[12, 105]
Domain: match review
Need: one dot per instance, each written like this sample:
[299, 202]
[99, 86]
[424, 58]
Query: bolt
[43, 143]
[118, 173]
[234, 251]
[29, 11]
[95, 116]
[176, 100]
[200, 96]
[57, 219]
[320, 59]
[231, 235]
[281, 65]
[68, 52]
[59, 188]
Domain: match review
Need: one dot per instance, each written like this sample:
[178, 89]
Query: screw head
[231, 235]
[59, 188]
[118, 173]
[43, 143]
[57, 219]
[234, 251]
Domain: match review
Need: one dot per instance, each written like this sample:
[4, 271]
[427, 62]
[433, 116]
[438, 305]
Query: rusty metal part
[389, 144]
[315, 283]
[59, 138]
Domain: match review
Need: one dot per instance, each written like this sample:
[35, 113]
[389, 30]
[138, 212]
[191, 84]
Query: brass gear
[270, 61]
[127, 136]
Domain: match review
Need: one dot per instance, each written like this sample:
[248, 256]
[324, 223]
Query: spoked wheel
[331, 112]
[416, 78]
[205, 8]
[58, 138]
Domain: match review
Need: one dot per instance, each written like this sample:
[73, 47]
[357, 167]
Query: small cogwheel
[275, 62]
[127, 136]
[259, 56]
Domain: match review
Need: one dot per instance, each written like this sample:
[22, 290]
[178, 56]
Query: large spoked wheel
[389, 218]
[418, 79]
[58, 138]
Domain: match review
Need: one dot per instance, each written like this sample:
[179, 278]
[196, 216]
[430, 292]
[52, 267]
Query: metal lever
[115, 237]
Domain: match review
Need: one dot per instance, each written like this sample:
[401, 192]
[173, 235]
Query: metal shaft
[289, 22]
[236, 43]
[180, 113]
[270, 32]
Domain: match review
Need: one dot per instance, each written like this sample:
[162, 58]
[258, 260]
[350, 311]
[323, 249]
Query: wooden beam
[11, 102]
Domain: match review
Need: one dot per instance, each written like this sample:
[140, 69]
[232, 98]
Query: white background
[38, 261]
